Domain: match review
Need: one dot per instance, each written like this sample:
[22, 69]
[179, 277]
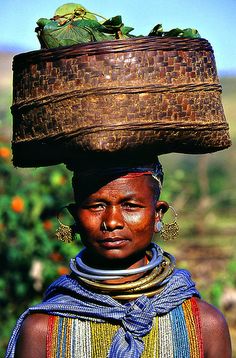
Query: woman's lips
[113, 242]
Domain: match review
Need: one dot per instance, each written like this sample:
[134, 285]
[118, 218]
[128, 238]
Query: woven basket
[146, 94]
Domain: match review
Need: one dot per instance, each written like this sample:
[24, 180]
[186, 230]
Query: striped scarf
[67, 298]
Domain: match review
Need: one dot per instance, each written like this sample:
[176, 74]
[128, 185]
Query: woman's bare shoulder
[32, 339]
[215, 332]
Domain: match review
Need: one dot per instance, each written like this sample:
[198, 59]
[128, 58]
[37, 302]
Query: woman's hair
[156, 184]
[86, 182]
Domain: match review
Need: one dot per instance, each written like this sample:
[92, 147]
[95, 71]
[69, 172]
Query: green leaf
[192, 33]
[91, 24]
[66, 35]
[173, 33]
[95, 29]
[156, 31]
[113, 24]
[126, 30]
[72, 32]
[42, 22]
[115, 21]
[67, 11]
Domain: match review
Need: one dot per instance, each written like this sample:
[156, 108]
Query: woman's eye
[96, 207]
[131, 205]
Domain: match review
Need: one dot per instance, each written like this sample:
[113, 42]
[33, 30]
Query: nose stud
[104, 227]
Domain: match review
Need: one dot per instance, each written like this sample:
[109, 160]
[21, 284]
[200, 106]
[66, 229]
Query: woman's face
[127, 206]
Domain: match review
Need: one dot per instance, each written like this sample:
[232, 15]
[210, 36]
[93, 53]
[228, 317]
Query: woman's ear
[162, 206]
[161, 209]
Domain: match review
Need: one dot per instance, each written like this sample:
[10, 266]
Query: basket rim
[112, 46]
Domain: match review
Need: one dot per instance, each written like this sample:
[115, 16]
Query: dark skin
[130, 211]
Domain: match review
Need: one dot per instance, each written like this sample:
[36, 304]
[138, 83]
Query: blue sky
[214, 19]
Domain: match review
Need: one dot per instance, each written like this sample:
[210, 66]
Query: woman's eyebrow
[133, 198]
[129, 196]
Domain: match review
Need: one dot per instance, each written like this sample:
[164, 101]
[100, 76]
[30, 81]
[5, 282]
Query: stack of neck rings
[157, 273]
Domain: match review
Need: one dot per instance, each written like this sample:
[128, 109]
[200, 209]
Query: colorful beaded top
[176, 334]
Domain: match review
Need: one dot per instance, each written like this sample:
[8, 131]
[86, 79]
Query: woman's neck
[130, 263]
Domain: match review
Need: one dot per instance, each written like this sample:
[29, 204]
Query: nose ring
[104, 227]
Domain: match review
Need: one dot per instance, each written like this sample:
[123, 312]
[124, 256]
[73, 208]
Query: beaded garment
[174, 335]
[67, 298]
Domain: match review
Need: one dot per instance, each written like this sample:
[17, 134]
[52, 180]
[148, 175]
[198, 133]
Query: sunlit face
[128, 208]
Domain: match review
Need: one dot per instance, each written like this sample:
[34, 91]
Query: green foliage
[187, 33]
[173, 185]
[70, 33]
[31, 257]
[73, 24]
[227, 278]
[216, 292]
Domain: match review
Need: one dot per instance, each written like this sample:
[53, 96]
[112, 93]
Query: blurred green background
[201, 188]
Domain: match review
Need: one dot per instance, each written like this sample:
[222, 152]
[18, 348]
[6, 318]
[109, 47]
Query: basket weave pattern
[117, 95]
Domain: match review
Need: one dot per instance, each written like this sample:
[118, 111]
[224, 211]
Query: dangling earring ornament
[159, 226]
[169, 231]
[65, 233]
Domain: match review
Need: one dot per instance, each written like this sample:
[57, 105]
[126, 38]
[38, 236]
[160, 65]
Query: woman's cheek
[89, 222]
[142, 223]
[133, 218]
[138, 222]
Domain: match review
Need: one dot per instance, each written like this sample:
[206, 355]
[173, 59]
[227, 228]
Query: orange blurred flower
[2, 226]
[63, 270]
[56, 257]
[48, 225]
[17, 204]
[62, 180]
[5, 152]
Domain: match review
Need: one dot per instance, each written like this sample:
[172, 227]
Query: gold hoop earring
[65, 233]
[170, 231]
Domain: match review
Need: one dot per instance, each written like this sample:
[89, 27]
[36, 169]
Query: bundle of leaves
[73, 24]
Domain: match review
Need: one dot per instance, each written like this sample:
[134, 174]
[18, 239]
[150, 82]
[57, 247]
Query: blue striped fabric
[181, 347]
[66, 297]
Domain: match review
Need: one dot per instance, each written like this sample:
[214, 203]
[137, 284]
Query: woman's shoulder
[210, 316]
[32, 338]
[215, 332]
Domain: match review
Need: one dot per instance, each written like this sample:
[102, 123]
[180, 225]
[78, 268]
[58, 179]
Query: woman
[124, 298]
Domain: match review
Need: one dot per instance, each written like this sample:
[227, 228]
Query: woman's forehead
[127, 184]
[123, 188]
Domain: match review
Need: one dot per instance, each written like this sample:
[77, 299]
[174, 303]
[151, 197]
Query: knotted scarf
[66, 297]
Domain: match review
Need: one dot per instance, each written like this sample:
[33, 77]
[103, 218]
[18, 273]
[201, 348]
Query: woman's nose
[113, 218]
